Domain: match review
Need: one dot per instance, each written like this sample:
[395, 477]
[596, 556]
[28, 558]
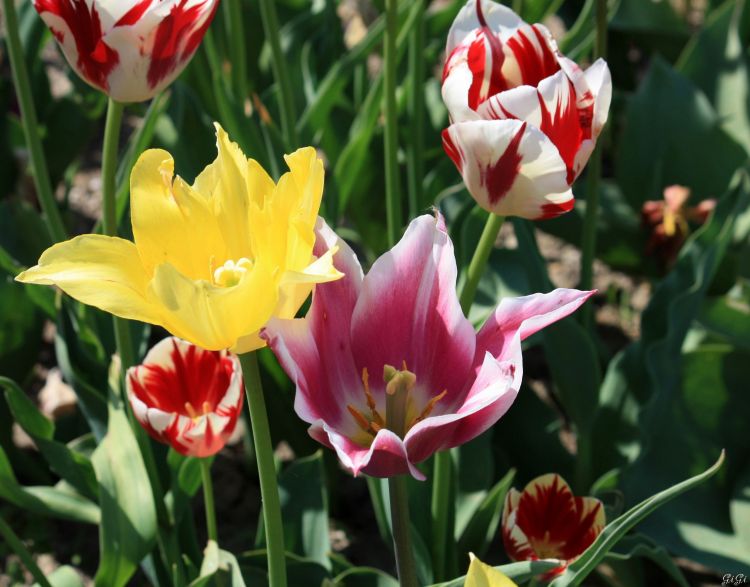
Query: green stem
[236, 33]
[479, 261]
[17, 546]
[280, 72]
[109, 166]
[588, 241]
[208, 500]
[399, 495]
[269, 489]
[442, 525]
[392, 200]
[30, 125]
[416, 111]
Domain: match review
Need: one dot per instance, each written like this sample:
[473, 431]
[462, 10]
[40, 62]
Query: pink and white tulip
[524, 118]
[187, 397]
[387, 367]
[128, 49]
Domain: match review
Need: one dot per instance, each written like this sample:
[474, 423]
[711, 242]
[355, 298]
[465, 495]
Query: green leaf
[657, 151]
[74, 467]
[482, 527]
[21, 325]
[44, 500]
[715, 60]
[641, 546]
[616, 530]
[364, 577]
[518, 572]
[128, 526]
[304, 506]
[217, 564]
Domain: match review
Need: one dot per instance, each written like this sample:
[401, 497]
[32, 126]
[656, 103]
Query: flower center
[195, 414]
[231, 272]
[546, 548]
[400, 412]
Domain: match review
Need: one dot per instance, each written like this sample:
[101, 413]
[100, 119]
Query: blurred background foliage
[647, 399]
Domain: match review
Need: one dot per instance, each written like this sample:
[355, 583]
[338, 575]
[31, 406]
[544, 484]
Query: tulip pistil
[230, 273]
[399, 410]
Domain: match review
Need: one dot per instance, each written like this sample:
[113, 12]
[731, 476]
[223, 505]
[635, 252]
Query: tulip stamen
[376, 417]
[363, 422]
[230, 273]
[191, 411]
[428, 408]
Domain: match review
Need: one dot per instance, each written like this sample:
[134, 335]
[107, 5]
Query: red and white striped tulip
[524, 118]
[546, 520]
[186, 396]
[128, 49]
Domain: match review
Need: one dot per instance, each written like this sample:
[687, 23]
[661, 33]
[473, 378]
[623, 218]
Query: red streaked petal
[499, 19]
[535, 53]
[133, 15]
[509, 167]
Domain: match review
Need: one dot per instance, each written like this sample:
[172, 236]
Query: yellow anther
[192, 412]
[428, 408]
[230, 273]
[206, 408]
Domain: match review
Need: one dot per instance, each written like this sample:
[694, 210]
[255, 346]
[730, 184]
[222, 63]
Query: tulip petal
[408, 311]
[316, 351]
[510, 168]
[385, 457]
[554, 109]
[483, 575]
[599, 81]
[517, 545]
[523, 317]
[172, 221]
[213, 317]
[100, 271]
[491, 395]
[496, 17]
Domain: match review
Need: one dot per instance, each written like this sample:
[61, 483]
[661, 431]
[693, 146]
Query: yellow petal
[482, 575]
[215, 317]
[296, 286]
[100, 271]
[231, 183]
[171, 221]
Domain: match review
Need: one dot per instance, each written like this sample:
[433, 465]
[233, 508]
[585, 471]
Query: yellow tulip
[211, 262]
[483, 575]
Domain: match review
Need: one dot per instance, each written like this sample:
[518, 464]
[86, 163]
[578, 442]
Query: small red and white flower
[186, 396]
[524, 118]
[129, 49]
[546, 521]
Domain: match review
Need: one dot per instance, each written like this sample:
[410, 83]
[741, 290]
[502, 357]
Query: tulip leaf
[300, 570]
[217, 564]
[616, 530]
[715, 60]
[655, 152]
[74, 467]
[482, 527]
[364, 577]
[45, 500]
[304, 506]
[186, 480]
[128, 526]
[639, 545]
[519, 572]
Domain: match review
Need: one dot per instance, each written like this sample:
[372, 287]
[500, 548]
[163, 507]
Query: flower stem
[235, 32]
[441, 523]
[416, 111]
[280, 72]
[392, 200]
[479, 261]
[399, 496]
[269, 489]
[30, 125]
[15, 544]
[208, 500]
[588, 241]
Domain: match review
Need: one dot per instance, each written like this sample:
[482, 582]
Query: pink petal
[510, 168]
[522, 317]
[408, 311]
[492, 393]
[385, 457]
[315, 351]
